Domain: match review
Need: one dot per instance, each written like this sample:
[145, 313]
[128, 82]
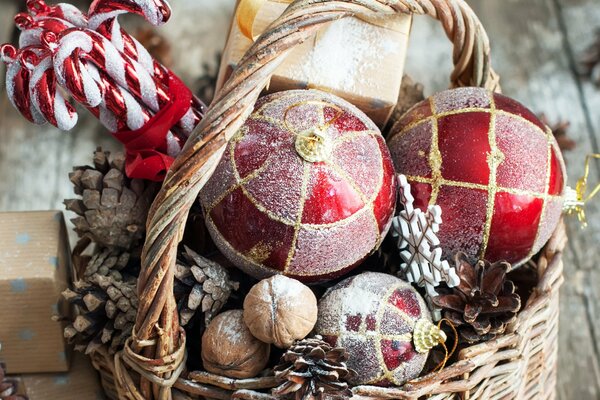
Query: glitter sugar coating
[271, 211]
[373, 315]
[492, 166]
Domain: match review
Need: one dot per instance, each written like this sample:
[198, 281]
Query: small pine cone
[8, 387]
[484, 302]
[107, 307]
[312, 369]
[203, 283]
[112, 209]
[107, 262]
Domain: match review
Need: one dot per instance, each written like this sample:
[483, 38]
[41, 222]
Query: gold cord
[576, 199]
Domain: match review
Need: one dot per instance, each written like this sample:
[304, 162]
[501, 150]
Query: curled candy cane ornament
[17, 85]
[44, 93]
[98, 64]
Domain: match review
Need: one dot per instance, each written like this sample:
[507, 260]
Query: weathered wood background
[535, 46]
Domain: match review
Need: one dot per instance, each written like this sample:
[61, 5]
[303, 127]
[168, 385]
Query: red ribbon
[146, 148]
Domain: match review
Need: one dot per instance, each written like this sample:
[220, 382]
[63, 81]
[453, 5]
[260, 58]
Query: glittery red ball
[492, 166]
[373, 316]
[306, 188]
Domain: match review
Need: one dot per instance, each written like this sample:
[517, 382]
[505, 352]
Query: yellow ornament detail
[426, 336]
[314, 145]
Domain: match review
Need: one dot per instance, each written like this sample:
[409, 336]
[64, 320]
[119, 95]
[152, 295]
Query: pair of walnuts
[278, 311]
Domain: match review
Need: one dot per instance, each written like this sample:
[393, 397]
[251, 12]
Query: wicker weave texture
[520, 364]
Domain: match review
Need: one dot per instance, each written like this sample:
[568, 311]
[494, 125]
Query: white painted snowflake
[419, 246]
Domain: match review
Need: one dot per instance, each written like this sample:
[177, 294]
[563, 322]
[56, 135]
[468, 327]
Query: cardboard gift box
[80, 383]
[358, 60]
[34, 270]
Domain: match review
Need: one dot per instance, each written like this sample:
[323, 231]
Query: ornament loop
[576, 199]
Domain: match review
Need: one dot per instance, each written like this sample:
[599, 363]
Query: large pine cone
[106, 306]
[8, 387]
[113, 208]
[312, 369]
[200, 283]
[484, 302]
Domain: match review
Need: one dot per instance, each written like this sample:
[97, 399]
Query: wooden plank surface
[534, 45]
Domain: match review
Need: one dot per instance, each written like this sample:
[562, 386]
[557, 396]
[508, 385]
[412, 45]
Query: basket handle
[155, 348]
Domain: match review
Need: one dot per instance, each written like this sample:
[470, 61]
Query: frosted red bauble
[373, 316]
[306, 188]
[490, 164]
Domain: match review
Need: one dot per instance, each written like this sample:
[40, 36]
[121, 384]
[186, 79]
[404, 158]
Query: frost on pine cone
[200, 284]
[484, 302]
[107, 262]
[312, 369]
[112, 209]
[106, 307]
[8, 387]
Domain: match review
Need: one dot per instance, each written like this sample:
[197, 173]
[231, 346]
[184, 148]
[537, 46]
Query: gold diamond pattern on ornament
[495, 158]
[252, 257]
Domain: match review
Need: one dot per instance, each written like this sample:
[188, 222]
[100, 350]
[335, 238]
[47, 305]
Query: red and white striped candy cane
[17, 85]
[103, 18]
[67, 12]
[44, 93]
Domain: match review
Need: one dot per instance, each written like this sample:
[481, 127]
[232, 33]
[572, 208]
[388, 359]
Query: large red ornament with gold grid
[306, 188]
[373, 316]
[492, 166]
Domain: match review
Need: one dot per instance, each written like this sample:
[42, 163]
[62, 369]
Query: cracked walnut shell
[280, 310]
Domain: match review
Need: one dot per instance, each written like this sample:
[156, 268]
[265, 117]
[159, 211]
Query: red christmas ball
[492, 166]
[306, 188]
[373, 316]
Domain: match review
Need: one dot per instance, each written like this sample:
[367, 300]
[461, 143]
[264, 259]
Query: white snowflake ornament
[419, 246]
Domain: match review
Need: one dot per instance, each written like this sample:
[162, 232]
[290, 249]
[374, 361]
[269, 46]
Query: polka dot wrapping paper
[35, 269]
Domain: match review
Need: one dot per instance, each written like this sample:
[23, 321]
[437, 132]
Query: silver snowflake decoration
[419, 246]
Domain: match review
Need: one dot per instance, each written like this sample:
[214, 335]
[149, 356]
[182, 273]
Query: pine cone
[312, 369]
[8, 387]
[200, 282]
[113, 208]
[560, 130]
[107, 262]
[483, 303]
[107, 307]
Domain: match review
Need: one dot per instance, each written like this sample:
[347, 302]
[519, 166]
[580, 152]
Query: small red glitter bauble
[492, 166]
[306, 188]
[373, 316]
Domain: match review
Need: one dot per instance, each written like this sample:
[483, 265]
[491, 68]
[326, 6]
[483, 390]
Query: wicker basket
[520, 364]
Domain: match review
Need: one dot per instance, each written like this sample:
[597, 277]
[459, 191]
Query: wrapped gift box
[80, 383]
[34, 270]
[360, 61]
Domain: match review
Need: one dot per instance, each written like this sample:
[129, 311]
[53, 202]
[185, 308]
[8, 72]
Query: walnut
[280, 310]
[229, 349]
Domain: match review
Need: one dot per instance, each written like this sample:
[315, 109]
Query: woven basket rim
[149, 366]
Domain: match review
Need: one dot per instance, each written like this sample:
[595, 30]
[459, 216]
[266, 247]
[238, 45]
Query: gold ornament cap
[314, 145]
[426, 336]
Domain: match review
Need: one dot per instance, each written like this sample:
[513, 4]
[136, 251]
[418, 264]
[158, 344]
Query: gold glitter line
[531, 253]
[272, 121]
[494, 159]
[305, 178]
[478, 186]
[387, 374]
[466, 110]
[353, 135]
[435, 156]
[221, 239]
[367, 203]
[255, 174]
